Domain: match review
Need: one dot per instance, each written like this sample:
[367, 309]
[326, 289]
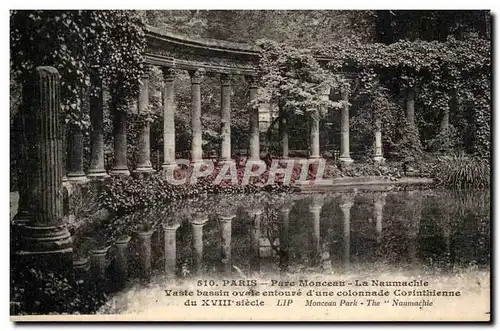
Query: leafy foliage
[107, 43]
[461, 171]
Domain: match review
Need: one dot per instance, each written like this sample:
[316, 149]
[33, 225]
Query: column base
[52, 239]
[119, 172]
[97, 173]
[77, 177]
[144, 169]
[314, 157]
[379, 159]
[346, 159]
[65, 178]
[168, 166]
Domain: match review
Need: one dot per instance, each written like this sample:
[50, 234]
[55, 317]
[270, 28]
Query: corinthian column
[378, 156]
[75, 164]
[410, 106]
[197, 231]
[196, 142]
[144, 144]
[45, 240]
[226, 242]
[345, 155]
[170, 249]
[225, 117]
[315, 153]
[96, 169]
[120, 139]
[168, 119]
[254, 123]
[347, 203]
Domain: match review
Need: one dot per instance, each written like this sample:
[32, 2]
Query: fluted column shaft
[345, 154]
[144, 143]
[46, 157]
[168, 118]
[196, 142]
[254, 123]
[225, 117]
[96, 168]
[45, 240]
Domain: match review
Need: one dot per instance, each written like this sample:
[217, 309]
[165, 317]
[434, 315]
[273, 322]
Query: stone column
[378, 208]
[45, 240]
[144, 144]
[225, 104]
[144, 238]
[170, 249]
[347, 203]
[120, 140]
[284, 238]
[81, 268]
[284, 136]
[226, 243]
[98, 265]
[168, 119]
[315, 210]
[121, 259]
[196, 142]
[445, 120]
[254, 122]
[315, 152]
[345, 155]
[96, 169]
[75, 162]
[410, 106]
[255, 216]
[21, 126]
[378, 156]
[197, 231]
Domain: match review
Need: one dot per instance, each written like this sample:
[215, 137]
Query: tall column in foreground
[196, 142]
[168, 119]
[46, 242]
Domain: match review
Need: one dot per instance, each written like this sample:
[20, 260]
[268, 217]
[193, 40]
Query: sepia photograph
[250, 165]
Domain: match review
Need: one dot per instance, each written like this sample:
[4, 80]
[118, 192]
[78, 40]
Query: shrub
[461, 171]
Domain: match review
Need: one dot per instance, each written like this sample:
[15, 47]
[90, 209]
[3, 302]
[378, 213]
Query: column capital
[253, 81]
[196, 76]
[225, 79]
[168, 74]
[171, 227]
[147, 69]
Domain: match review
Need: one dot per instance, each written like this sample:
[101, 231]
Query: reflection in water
[298, 232]
[197, 233]
[170, 231]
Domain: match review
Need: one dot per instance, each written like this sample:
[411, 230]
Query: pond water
[426, 232]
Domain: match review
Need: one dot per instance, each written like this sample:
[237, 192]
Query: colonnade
[75, 168]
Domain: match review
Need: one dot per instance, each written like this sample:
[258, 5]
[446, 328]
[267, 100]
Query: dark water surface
[240, 235]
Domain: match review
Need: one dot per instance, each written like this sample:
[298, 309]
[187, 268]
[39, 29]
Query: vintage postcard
[250, 165]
